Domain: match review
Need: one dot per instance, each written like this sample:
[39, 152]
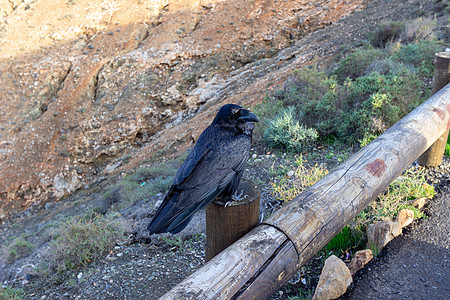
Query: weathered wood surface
[277, 271]
[225, 224]
[311, 219]
[433, 156]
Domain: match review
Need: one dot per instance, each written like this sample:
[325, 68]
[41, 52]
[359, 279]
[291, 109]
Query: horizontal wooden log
[264, 259]
[238, 266]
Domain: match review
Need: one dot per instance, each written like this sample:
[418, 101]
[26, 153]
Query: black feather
[213, 168]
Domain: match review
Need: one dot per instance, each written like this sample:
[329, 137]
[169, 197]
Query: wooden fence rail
[268, 256]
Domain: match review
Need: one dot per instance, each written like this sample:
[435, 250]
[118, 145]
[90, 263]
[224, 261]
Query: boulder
[334, 279]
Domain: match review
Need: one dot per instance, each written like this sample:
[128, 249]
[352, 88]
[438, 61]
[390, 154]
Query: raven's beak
[247, 116]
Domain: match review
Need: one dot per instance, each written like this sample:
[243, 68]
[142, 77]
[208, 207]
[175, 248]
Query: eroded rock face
[82, 87]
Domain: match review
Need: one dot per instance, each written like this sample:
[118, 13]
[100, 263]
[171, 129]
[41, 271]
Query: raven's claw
[236, 197]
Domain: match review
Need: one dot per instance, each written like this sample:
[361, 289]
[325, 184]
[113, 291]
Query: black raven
[213, 168]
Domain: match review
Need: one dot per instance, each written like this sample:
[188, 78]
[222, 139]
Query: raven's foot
[236, 197]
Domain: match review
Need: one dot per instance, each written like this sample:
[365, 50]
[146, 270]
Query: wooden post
[267, 257]
[227, 224]
[434, 155]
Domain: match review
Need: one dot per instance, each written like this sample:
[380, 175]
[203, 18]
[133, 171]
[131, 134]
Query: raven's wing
[213, 164]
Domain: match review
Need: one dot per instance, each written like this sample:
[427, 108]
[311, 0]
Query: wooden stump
[225, 225]
[434, 155]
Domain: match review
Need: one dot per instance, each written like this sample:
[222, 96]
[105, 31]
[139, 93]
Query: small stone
[405, 217]
[360, 259]
[290, 173]
[334, 279]
[378, 235]
[418, 203]
[119, 254]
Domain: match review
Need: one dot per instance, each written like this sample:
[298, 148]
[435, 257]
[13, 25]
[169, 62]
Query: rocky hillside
[89, 88]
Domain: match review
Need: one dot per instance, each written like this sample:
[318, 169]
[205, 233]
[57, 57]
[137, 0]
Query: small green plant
[142, 184]
[284, 131]
[18, 248]
[82, 240]
[405, 188]
[447, 147]
[176, 242]
[266, 111]
[347, 240]
[355, 64]
[10, 293]
[287, 188]
[419, 54]
[418, 29]
[387, 32]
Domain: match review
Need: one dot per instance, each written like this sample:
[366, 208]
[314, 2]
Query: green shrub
[388, 66]
[368, 91]
[418, 29]
[266, 111]
[387, 32]
[10, 293]
[405, 32]
[419, 54]
[83, 240]
[355, 64]
[285, 131]
[140, 185]
[18, 248]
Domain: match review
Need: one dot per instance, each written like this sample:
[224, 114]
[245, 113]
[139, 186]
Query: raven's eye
[235, 111]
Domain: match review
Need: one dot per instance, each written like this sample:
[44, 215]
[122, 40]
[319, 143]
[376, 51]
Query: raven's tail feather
[161, 220]
[173, 219]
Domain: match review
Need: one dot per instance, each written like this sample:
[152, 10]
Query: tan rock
[378, 235]
[418, 203]
[358, 262]
[334, 279]
[405, 217]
